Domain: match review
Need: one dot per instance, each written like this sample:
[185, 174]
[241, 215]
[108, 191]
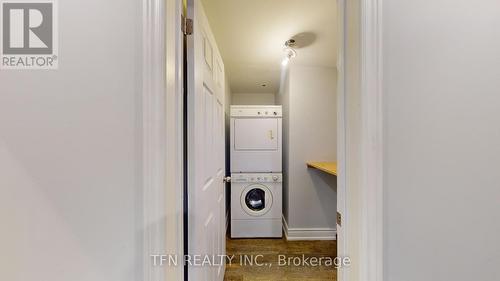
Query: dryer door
[256, 134]
[256, 200]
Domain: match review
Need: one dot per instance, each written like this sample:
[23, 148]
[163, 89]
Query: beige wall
[308, 96]
[253, 98]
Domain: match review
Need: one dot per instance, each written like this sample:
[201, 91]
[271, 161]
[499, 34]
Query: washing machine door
[256, 200]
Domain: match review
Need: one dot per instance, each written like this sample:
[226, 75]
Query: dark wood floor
[271, 251]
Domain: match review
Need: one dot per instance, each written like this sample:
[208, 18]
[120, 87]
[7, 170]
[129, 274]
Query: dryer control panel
[271, 177]
[258, 111]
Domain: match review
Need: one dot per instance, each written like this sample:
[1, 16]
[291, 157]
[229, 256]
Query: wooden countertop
[327, 167]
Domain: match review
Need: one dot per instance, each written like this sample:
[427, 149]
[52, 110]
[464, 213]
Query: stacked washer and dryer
[256, 171]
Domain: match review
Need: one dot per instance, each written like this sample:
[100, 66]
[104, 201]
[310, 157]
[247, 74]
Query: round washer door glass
[255, 199]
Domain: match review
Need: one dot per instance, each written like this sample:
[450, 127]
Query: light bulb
[289, 54]
[285, 61]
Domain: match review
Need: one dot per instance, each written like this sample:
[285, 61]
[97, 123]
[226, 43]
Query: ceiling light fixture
[289, 51]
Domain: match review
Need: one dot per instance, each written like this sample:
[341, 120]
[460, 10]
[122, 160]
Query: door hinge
[339, 219]
[187, 25]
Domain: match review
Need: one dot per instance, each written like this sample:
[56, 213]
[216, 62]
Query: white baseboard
[296, 234]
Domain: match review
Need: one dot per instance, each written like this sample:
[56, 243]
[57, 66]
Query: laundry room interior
[278, 60]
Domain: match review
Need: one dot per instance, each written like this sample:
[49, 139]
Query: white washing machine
[256, 139]
[256, 205]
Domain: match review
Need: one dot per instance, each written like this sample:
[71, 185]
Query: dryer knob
[275, 178]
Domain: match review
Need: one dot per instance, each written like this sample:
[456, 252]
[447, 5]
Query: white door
[255, 134]
[206, 153]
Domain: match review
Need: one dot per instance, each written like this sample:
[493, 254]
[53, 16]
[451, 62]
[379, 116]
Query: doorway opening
[262, 110]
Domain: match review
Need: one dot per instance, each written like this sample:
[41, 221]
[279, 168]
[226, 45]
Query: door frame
[162, 136]
[372, 142]
[369, 219]
[342, 233]
[162, 144]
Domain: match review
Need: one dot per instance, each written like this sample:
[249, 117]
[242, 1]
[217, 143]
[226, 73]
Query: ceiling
[250, 35]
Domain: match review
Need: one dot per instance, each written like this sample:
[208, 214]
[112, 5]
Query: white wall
[253, 98]
[283, 99]
[310, 103]
[442, 135]
[70, 198]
